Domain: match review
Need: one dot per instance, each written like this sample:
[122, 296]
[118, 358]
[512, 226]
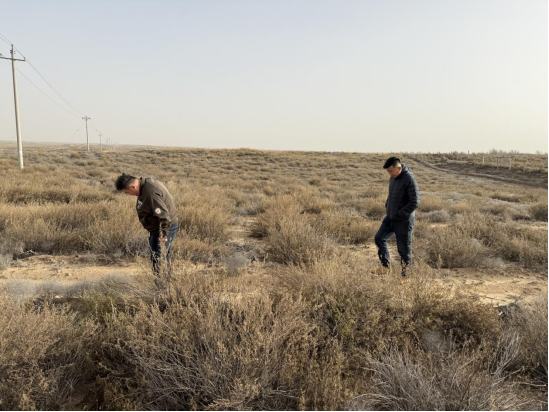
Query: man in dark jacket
[156, 212]
[401, 204]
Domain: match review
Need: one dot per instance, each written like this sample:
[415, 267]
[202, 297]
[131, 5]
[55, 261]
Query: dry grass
[539, 210]
[455, 380]
[530, 321]
[45, 355]
[311, 327]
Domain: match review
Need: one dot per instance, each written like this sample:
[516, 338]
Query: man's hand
[162, 239]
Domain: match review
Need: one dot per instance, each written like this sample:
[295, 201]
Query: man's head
[127, 184]
[393, 167]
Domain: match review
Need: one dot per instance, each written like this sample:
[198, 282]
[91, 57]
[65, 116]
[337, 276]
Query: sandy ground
[30, 276]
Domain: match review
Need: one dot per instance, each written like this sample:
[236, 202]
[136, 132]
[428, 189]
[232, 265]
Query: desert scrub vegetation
[325, 336]
[309, 327]
[45, 353]
[530, 320]
[472, 238]
[448, 379]
[297, 234]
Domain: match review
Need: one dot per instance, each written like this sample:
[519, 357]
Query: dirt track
[461, 171]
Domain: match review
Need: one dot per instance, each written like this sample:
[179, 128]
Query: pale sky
[367, 76]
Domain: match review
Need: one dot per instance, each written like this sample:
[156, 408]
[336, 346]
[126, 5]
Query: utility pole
[100, 143]
[17, 125]
[86, 118]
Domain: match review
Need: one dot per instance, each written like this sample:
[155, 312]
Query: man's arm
[161, 212]
[413, 199]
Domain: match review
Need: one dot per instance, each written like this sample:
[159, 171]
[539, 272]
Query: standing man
[156, 212]
[401, 204]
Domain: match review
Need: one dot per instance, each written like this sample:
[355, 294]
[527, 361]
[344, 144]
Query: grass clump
[44, 355]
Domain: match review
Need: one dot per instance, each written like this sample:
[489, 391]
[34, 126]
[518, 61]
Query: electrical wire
[77, 130]
[43, 78]
[5, 39]
[92, 125]
[50, 86]
[41, 91]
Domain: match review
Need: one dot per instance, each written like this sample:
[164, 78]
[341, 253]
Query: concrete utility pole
[100, 143]
[17, 125]
[86, 118]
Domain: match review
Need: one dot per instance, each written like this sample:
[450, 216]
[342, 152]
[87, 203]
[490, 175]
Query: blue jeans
[155, 246]
[402, 229]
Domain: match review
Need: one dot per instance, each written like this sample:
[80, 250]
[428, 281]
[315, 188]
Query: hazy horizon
[356, 76]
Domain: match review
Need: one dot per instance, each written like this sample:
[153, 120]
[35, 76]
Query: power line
[94, 127]
[5, 39]
[41, 91]
[77, 130]
[50, 86]
[43, 78]
[86, 118]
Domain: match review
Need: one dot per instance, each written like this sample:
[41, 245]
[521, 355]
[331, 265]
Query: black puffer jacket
[403, 197]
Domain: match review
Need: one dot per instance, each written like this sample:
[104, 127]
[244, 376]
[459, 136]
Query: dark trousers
[156, 247]
[402, 229]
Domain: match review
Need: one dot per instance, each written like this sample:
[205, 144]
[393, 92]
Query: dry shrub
[6, 254]
[506, 210]
[37, 187]
[365, 312]
[318, 205]
[346, 228]
[531, 322]
[475, 237]
[203, 223]
[375, 208]
[204, 215]
[461, 208]
[297, 239]
[5, 260]
[212, 350]
[528, 247]
[44, 355]
[451, 247]
[273, 210]
[105, 227]
[437, 216]
[539, 210]
[297, 234]
[430, 203]
[196, 250]
[507, 197]
[454, 380]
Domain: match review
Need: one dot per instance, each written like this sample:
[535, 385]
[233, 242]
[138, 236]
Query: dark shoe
[405, 270]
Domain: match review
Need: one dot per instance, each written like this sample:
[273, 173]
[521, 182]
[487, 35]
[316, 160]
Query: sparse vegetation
[308, 325]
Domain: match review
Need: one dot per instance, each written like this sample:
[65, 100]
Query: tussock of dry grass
[44, 355]
[457, 380]
[530, 321]
[475, 237]
[539, 210]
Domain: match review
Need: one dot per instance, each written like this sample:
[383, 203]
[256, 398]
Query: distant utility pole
[100, 143]
[17, 125]
[86, 118]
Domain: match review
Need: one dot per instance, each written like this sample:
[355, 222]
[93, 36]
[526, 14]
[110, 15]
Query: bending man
[156, 212]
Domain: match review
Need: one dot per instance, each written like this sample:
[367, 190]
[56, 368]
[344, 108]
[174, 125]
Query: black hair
[392, 161]
[123, 181]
